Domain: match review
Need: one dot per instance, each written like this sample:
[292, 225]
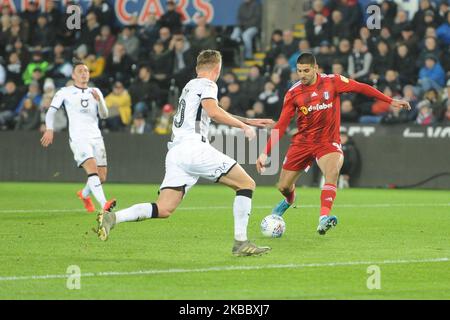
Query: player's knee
[164, 212]
[332, 174]
[250, 184]
[284, 188]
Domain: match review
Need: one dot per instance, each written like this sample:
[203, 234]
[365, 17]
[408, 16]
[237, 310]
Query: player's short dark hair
[307, 58]
[76, 63]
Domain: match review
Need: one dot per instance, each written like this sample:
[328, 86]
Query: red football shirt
[318, 109]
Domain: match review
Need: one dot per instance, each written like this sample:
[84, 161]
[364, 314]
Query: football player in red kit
[315, 98]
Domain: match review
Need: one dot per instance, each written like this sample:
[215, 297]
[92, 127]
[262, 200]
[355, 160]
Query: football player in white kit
[83, 105]
[190, 157]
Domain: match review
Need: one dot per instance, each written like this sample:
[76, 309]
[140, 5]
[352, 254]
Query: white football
[273, 226]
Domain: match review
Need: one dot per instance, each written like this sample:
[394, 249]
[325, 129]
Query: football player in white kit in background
[83, 105]
[190, 157]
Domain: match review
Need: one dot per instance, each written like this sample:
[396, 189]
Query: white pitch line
[374, 205]
[224, 268]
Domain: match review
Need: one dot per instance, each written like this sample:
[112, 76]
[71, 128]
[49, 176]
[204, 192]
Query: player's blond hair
[208, 59]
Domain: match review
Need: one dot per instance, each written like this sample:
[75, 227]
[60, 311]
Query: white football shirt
[82, 111]
[190, 118]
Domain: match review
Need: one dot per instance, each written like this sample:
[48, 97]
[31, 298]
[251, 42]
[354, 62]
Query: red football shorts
[300, 156]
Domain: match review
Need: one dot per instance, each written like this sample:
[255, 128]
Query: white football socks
[137, 212]
[86, 191]
[242, 208]
[96, 188]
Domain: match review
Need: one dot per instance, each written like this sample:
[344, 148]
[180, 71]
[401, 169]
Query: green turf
[401, 227]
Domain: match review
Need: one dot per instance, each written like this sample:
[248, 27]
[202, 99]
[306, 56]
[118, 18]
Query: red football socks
[327, 198]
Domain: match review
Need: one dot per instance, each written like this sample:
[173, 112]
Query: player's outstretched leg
[95, 185]
[286, 185]
[330, 164]
[168, 201]
[244, 185]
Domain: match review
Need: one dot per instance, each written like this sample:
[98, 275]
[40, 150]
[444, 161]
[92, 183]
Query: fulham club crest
[326, 95]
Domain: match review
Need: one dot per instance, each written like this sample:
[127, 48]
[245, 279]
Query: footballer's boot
[326, 223]
[109, 205]
[106, 222]
[247, 248]
[87, 202]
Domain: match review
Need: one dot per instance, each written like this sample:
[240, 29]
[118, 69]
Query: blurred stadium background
[141, 53]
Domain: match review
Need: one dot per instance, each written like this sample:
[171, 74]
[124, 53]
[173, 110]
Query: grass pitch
[405, 233]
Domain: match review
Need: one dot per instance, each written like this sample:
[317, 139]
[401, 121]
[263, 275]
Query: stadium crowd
[141, 68]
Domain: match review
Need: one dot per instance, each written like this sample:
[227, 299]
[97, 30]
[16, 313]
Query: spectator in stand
[60, 122]
[148, 33]
[165, 36]
[317, 30]
[119, 107]
[430, 49]
[446, 119]
[359, 62]
[225, 103]
[33, 93]
[145, 92]
[303, 46]
[224, 81]
[404, 64]
[282, 69]
[171, 19]
[318, 7]
[140, 125]
[443, 31]
[29, 117]
[129, 40]
[90, 31]
[14, 68]
[339, 28]
[441, 12]
[249, 24]
[161, 64]
[37, 62]
[410, 96]
[343, 54]
[425, 115]
[400, 22]
[271, 99]
[257, 111]
[30, 15]
[9, 100]
[53, 14]
[202, 40]
[390, 79]
[351, 12]
[239, 103]
[348, 112]
[383, 60]
[431, 75]
[96, 66]
[424, 6]
[386, 36]
[373, 112]
[368, 39]
[351, 164]
[388, 12]
[273, 50]
[289, 45]
[428, 21]
[409, 38]
[104, 42]
[337, 68]
[118, 65]
[183, 61]
[103, 11]
[324, 57]
[436, 103]
[43, 35]
[253, 85]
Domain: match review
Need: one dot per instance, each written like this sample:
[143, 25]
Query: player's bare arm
[259, 123]
[221, 116]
